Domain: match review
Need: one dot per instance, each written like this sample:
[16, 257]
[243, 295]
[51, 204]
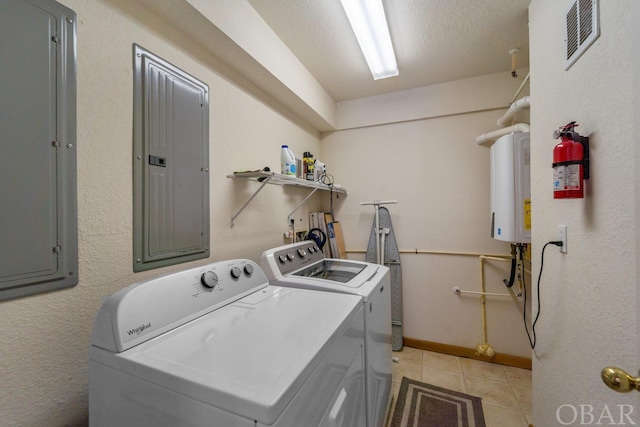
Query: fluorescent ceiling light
[370, 26]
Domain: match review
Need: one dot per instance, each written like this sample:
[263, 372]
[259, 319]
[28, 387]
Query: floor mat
[424, 405]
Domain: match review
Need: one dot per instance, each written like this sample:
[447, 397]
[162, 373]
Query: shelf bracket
[300, 204]
[274, 178]
[264, 182]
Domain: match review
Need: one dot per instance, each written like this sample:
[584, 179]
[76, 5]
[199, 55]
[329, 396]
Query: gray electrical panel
[171, 164]
[38, 204]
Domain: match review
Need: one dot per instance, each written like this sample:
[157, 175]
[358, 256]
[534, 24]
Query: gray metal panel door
[171, 169]
[37, 171]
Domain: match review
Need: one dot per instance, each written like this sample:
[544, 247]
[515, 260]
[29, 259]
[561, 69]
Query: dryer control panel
[147, 309]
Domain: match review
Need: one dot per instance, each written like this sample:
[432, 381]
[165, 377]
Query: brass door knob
[619, 380]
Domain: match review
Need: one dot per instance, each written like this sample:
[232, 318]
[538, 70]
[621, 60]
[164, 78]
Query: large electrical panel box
[511, 188]
[171, 164]
[38, 203]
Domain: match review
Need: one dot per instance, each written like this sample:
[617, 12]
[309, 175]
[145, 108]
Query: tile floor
[505, 390]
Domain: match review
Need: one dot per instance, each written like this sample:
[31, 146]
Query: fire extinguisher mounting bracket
[584, 140]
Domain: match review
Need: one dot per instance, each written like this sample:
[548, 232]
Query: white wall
[440, 177]
[588, 296]
[429, 164]
[45, 338]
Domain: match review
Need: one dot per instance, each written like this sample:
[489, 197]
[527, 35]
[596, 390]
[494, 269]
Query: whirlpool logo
[139, 329]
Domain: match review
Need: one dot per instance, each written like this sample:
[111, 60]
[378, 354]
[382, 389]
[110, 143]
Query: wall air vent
[581, 29]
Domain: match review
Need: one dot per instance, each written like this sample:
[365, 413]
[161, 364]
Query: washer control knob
[290, 256]
[209, 279]
[236, 272]
[248, 269]
[301, 252]
[311, 249]
[282, 259]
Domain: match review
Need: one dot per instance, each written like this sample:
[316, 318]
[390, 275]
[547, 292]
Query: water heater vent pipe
[521, 103]
[492, 136]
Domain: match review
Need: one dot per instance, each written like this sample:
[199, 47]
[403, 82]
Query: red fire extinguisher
[570, 163]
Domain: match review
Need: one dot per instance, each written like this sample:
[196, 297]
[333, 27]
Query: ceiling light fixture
[370, 26]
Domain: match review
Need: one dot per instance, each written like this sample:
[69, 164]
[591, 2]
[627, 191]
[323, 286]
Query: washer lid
[250, 357]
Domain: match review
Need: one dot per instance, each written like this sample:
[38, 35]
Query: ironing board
[391, 259]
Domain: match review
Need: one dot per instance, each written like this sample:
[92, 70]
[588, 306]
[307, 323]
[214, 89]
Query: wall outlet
[300, 235]
[563, 238]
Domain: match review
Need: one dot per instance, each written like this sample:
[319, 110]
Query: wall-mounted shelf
[279, 179]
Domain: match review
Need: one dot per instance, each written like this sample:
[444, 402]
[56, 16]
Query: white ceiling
[435, 41]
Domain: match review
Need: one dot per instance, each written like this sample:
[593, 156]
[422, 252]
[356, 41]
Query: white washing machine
[218, 346]
[303, 265]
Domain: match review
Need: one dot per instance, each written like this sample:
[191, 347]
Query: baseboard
[454, 350]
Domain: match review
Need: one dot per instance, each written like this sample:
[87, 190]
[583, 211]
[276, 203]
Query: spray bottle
[308, 166]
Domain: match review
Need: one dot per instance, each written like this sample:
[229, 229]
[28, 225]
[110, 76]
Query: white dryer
[303, 265]
[217, 346]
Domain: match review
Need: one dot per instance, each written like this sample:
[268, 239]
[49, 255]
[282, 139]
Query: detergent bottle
[287, 161]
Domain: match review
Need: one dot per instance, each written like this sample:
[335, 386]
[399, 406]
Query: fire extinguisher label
[566, 177]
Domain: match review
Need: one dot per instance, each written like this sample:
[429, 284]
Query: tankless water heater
[511, 188]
